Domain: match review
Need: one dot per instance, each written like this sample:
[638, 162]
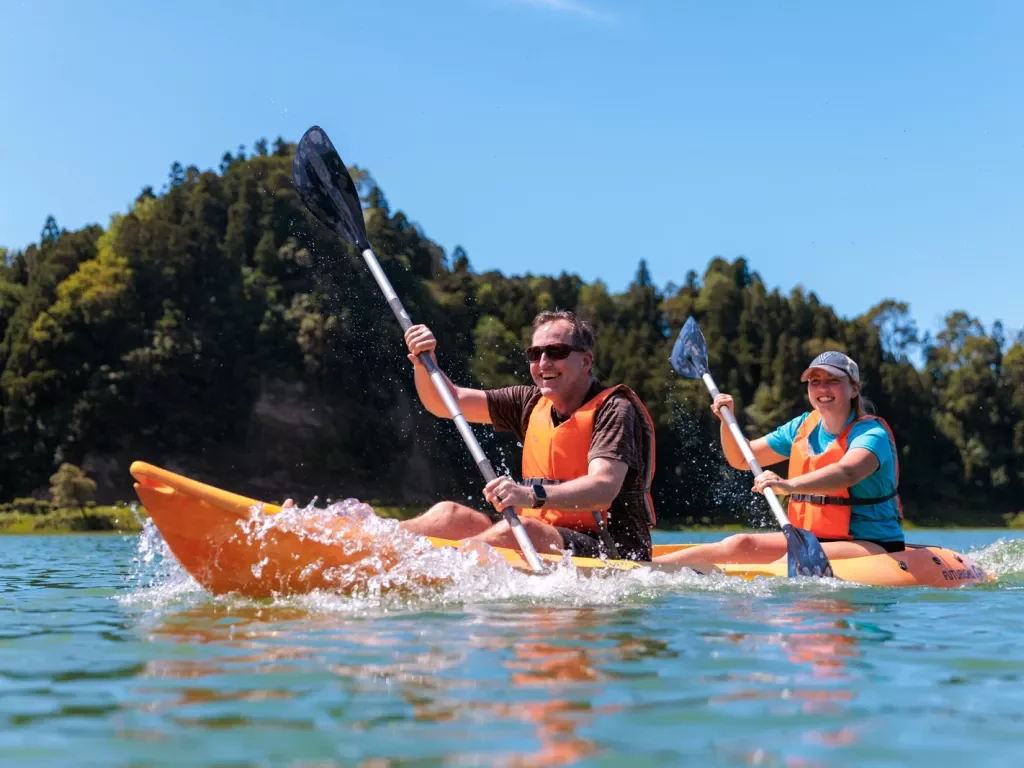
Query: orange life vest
[828, 515]
[555, 454]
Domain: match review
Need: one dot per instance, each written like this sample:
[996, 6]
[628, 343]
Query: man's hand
[419, 339]
[504, 492]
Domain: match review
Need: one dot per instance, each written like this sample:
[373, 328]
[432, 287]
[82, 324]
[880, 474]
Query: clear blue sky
[865, 150]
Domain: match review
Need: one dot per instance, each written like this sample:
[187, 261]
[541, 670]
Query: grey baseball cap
[833, 362]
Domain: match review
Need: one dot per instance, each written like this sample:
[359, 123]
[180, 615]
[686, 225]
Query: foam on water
[402, 570]
[1003, 558]
[156, 576]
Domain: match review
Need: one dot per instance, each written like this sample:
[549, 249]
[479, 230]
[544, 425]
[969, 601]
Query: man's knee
[450, 512]
[544, 537]
[441, 510]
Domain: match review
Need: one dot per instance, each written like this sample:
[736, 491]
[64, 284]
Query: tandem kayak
[233, 544]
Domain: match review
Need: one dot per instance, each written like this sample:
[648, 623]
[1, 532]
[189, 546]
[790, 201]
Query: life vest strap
[842, 501]
[606, 537]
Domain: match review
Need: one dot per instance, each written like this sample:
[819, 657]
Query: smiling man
[588, 451]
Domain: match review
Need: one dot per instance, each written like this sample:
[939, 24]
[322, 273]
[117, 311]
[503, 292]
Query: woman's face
[830, 394]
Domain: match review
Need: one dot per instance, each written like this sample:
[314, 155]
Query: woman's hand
[769, 479]
[504, 492]
[723, 401]
[419, 339]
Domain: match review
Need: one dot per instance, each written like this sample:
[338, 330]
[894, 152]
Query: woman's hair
[862, 406]
[582, 333]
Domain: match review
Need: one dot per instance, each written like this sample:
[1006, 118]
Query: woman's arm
[764, 454]
[856, 465]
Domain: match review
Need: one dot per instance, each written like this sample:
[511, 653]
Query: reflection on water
[517, 671]
[540, 672]
[822, 639]
[549, 660]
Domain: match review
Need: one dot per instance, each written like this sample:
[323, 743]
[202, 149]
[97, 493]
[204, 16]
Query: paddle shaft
[748, 454]
[438, 380]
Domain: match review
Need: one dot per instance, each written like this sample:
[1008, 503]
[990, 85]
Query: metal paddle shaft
[748, 454]
[327, 190]
[690, 359]
[806, 557]
[438, 380]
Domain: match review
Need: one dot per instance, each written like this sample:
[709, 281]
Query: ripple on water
[491, 666]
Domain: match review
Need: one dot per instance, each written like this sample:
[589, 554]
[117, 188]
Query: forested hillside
[218, 330]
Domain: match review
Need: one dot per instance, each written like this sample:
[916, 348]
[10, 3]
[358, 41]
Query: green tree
[51, 232]
[219, 325]
[71, 487]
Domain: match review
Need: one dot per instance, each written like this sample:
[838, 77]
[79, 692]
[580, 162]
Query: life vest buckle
[811, 498]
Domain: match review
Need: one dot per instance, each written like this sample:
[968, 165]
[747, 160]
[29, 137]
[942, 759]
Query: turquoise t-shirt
[874, 522]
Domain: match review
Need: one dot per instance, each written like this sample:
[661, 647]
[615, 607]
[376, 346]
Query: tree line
[217, 329]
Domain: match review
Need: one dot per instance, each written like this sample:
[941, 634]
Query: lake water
[110, 655]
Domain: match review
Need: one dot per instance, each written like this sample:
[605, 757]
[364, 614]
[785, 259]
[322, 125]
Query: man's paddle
[690, 359]
[329, 193]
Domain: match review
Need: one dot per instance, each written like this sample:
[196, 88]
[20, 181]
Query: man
[588, 451]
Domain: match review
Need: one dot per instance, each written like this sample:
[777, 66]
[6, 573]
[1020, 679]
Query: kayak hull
[231, 544]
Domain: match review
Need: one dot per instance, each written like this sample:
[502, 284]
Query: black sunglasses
[555, 352]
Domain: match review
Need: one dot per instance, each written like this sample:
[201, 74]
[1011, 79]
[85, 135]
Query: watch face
[540, 494]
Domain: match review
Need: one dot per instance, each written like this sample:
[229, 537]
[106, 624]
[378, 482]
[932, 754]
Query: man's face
[557, 379]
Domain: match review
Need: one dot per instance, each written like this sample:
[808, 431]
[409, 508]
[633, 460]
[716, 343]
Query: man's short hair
[582, 333]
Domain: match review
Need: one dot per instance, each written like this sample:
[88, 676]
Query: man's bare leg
[546, 539]
[448, 520]
[444, 520]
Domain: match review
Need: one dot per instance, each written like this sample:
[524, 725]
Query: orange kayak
[233, 544]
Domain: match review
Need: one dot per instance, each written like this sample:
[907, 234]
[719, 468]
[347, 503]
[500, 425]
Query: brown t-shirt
[618, 435]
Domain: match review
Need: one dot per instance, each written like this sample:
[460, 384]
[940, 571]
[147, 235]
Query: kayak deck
[223, 546]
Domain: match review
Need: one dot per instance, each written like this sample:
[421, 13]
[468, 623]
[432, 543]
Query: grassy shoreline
[116, 519]
[120, 518]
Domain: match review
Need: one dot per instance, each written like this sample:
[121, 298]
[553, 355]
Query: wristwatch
[539, 496]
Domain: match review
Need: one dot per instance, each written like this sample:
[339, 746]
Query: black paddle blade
[327, 189]
[690, 354]
[806, 557]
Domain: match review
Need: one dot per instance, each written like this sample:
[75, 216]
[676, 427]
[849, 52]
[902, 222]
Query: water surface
[111, 655]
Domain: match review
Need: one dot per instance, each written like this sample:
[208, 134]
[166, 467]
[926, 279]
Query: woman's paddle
[327, 189]
[690, 359]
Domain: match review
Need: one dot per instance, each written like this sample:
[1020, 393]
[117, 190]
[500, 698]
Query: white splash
[402, 570]
[1001, 558]
[156, 576]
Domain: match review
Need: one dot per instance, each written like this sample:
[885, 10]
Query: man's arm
[595, 490]
[472, 402]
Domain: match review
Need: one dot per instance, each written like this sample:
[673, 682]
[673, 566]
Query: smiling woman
[843, 473]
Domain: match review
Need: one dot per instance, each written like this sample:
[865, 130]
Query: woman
[843, 474]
